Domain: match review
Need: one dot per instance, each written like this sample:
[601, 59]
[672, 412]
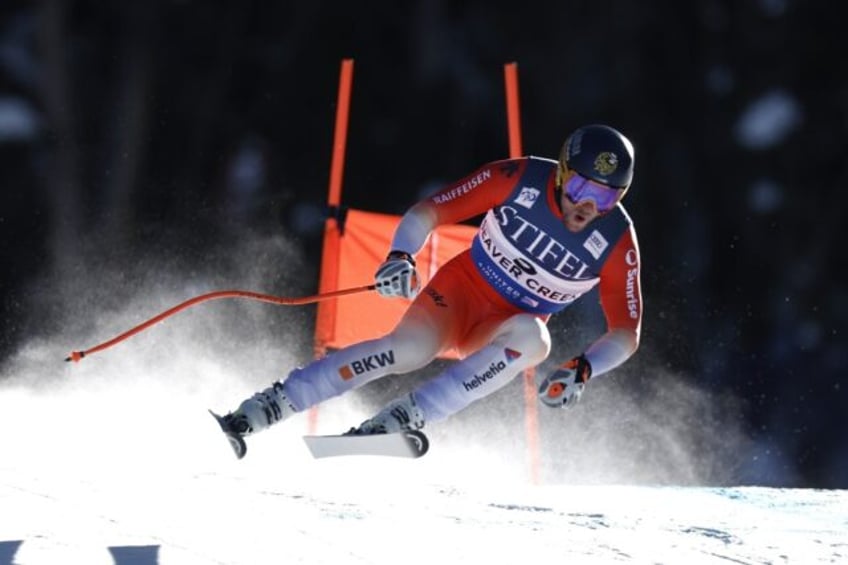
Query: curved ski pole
[78, 355]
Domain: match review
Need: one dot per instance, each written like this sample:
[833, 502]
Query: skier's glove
[397, 276]
[563, 387]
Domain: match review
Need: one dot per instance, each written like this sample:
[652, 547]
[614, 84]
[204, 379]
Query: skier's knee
[413, 348]
[529, 335]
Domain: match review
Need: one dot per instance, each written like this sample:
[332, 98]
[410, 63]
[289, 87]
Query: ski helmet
[599, 153]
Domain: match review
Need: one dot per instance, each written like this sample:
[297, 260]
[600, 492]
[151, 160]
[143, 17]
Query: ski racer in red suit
[552, 231]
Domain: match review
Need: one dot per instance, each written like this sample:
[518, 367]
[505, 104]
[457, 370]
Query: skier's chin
[576, 222]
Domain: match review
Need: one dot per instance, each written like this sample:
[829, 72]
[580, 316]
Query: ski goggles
[578, 188]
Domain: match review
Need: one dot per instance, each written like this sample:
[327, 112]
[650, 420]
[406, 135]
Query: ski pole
[78, 355]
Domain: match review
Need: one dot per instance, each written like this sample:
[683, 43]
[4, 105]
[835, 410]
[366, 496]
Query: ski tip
[237, 442]
[417, 441]
[238, 445]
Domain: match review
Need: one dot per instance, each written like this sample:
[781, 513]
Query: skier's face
[577, 216]
[582, 200]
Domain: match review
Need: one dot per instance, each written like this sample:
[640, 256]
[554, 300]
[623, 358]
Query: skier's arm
[470, 196]
[621, 300]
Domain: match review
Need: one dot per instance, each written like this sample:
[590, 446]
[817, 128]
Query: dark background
[140, 126]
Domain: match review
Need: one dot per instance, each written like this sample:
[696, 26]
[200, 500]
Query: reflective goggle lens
[578, 188]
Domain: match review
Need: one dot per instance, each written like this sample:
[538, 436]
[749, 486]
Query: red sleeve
[620, 289]
[476, 193]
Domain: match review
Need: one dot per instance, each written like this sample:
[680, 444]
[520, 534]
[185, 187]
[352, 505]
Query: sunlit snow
[115, 460]
[134, 476]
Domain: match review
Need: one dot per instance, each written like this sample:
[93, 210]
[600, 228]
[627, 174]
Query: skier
[552, 231]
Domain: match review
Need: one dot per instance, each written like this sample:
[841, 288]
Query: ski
[236, 441]
[410, 444]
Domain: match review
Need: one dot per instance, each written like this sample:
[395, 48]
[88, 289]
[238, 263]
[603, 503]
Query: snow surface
[135, 473]
[115, 460]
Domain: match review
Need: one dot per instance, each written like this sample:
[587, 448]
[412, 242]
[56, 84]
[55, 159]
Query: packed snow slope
[116, 460]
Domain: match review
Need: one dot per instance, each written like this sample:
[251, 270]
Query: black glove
[563, 387]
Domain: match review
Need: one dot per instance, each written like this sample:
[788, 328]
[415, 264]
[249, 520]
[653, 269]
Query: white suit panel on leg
[407, 348]
[522, 341]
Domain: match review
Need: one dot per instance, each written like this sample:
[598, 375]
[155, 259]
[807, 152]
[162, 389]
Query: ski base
[236, 441]
[410, 444]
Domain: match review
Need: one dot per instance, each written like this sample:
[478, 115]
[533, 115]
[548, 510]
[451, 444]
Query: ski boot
[258, 412]
[400, 415]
